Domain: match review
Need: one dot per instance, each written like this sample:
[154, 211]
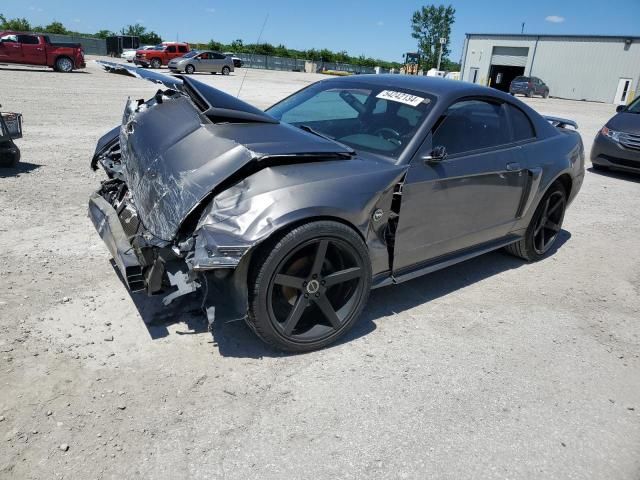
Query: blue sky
[376, 28]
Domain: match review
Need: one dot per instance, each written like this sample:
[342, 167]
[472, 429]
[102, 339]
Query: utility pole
[522, 30]
[442, 42]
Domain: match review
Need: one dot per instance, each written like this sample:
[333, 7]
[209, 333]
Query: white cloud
[554, 19]
[210, 10]
[380, 23]
[77, 20]
[35, 9]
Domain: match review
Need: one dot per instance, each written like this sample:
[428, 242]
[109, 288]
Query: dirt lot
[490, 369]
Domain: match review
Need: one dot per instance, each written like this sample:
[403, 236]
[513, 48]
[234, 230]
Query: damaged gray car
[289, 217]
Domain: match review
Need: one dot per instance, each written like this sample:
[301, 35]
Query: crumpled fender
[243, 216]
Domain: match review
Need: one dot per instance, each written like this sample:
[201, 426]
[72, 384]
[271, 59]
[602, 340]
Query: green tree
[429, 25]
[18, 24]
[213, 45]
[104, 33]
[150, 38]
[56, 27]
[237, 45]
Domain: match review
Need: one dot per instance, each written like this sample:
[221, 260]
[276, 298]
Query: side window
[520, 124]
[471, 125]
[28, 39]
[171, 49]
[204, 56]
[9, 38]
[182, 48]
[219, 56]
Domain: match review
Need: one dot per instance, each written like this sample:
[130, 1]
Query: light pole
[442, 42]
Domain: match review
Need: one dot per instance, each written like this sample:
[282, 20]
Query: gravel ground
[490, 369]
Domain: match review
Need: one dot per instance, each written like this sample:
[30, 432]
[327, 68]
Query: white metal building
[579, 67]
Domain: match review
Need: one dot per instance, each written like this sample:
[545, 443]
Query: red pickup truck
[161, 54]
[35, 49]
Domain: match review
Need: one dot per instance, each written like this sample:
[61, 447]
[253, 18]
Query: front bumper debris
[106, 221]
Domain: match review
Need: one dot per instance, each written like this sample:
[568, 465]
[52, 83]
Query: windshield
[157, 47]
[634, 107]
[362, 116]
[521, 79]
[192, 53]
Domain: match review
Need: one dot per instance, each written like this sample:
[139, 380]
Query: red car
[35, 49]
[161, 54]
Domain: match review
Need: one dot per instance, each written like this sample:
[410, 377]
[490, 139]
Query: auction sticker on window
[400, 97]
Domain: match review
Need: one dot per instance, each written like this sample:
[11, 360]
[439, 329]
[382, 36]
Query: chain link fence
[269, 62]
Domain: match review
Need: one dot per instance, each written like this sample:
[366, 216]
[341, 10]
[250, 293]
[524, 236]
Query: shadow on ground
[38, 69]
[19, 169]
[617, 174]
[235, 339]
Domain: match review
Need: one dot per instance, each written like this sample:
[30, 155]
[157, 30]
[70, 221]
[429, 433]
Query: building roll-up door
[510, 56]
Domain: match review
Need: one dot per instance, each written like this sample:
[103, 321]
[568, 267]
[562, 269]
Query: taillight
[530, 84]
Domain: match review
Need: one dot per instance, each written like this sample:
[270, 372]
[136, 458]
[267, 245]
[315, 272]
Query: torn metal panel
[275, 197]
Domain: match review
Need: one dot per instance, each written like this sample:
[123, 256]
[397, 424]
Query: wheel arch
[237, 286]
[63, 55]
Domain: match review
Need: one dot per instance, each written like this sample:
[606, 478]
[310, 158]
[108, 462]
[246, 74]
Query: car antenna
[257, 43]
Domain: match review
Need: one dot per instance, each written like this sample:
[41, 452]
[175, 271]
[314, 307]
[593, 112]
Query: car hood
[173, 156]
[625, 122]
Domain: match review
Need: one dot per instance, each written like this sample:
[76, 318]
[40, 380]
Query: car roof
[436, 86]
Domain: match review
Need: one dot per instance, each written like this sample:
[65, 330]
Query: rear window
[520, 124]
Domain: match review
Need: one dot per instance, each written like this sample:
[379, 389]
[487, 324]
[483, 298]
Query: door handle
[512, 166]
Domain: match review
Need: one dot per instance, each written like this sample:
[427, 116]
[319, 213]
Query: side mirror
[438, 154]
[621, 108]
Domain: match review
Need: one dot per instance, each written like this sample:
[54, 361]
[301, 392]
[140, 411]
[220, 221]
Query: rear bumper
[607, 153]
[106, 221]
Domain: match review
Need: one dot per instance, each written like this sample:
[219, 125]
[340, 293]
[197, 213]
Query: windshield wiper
[307, 128]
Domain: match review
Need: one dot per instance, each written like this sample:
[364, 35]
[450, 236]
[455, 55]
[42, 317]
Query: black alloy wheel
[311, 287]
[545, 226]
[549, 222]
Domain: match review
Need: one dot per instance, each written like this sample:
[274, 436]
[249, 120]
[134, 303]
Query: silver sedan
[202, 61]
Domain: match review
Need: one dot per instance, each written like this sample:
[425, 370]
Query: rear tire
[544, 227]
[63, 65]
[226, 70]
[530, 94]
[308, 287]
[545, 94]
[9, 156]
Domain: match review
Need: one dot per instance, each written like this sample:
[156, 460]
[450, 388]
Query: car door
[471, 196]
[10, 49]
[207, 61]
[33, 51]
[219, 61]
[169, 53]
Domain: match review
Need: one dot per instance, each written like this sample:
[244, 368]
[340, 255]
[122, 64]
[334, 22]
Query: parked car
[529, 86]
[617, 144]
[290, 216]
[34, 49]
[130, 53]
[160, 54]
[206, 61]
[237, 62]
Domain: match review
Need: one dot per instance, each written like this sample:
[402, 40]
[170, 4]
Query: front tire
[156, 63]
[307, 288]
[190, 69]
[545, 225]
[530, 94]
